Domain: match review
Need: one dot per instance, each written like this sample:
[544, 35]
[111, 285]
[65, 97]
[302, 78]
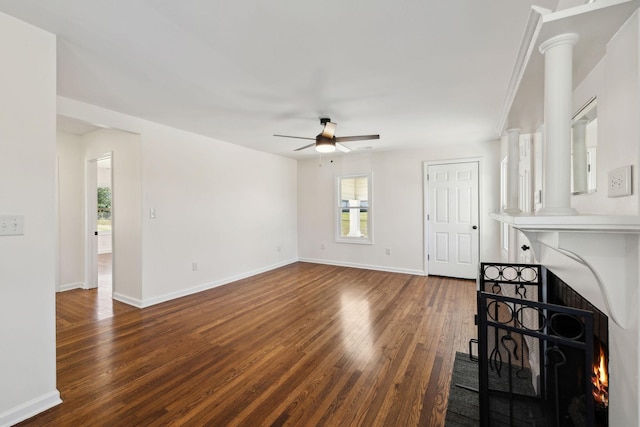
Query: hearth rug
[463, 408]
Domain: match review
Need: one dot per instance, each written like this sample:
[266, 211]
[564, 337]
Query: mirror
[584, 143]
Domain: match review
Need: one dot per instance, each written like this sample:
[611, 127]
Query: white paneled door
[452, 220]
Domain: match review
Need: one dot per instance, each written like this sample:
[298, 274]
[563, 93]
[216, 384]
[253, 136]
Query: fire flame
[600, 380]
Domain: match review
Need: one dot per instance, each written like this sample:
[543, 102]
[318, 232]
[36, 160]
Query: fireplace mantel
[572, 223]
[605, 244]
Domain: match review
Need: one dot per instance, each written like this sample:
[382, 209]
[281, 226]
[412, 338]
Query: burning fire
[600, 380]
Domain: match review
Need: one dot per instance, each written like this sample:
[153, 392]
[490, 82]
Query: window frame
[339, 238]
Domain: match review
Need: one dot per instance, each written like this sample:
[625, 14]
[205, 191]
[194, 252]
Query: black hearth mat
[463, 404]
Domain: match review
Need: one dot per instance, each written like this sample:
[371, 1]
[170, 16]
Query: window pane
[360, 217]
[104, 209]
[354, 209]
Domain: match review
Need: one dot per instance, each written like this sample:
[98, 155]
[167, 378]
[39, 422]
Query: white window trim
[337, 211]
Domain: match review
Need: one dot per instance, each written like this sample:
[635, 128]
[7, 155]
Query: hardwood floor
[305, 345]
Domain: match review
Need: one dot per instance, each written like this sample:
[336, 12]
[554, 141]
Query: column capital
[568, 38]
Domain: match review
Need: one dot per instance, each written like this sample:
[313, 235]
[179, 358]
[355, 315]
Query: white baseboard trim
[364, 266]
[127, 300]
[71, 286]
[29, 409]
[203, 287]
[135, 302]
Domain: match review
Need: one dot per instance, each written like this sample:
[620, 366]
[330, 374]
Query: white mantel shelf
[607, 245]
[629, 224]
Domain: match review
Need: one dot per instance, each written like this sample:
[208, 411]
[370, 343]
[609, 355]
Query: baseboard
[206, 286]
[127, 300]
[210, 285]
[29, 409]
[364, 266]
[71, 286]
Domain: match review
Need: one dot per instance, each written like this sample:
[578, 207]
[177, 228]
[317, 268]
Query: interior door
[452, 220]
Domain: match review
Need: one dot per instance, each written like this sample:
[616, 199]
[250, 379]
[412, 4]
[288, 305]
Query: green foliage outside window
[104, 208]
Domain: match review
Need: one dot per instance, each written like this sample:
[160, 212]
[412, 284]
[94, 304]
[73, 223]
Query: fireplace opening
[560, 293]
[600, 379]
[542, 351]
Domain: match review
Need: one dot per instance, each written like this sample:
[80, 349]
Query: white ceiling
[418, 72]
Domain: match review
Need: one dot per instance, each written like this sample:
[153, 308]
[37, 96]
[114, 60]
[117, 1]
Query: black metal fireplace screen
[535, 359]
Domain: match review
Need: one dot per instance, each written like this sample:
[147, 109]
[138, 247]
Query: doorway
[451, 219]
[100, 225]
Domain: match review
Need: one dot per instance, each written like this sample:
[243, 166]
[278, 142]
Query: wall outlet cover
[619, 182]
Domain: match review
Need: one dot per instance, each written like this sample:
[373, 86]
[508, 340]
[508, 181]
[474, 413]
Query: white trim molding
[30, 408]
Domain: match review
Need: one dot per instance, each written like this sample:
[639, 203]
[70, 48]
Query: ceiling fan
[327, 142]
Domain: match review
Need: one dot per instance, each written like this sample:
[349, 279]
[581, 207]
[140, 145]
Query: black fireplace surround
[538, 341]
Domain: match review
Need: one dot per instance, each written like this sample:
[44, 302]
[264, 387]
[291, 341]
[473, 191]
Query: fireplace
[542, 350]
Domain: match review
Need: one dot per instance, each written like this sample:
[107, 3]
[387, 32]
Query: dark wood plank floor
[305, 345]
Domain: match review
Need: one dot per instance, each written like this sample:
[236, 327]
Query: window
[353, 209]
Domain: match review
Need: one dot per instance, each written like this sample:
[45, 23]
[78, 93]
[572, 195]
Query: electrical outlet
[619, 182]
[194, 266]
[388, 251]
[11, 225]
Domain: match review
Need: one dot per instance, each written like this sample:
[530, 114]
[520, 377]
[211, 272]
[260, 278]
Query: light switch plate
[11, 225]
[619, 182]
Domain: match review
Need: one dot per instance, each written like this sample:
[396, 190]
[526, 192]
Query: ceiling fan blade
[356, 138]
[306, 146]
[297, 137]
[329, 130]
[342, 148]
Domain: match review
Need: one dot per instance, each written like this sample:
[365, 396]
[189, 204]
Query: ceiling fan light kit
[327, 142]
[325, 145]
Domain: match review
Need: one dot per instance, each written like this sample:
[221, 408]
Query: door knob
[525, 247]
[475, 227]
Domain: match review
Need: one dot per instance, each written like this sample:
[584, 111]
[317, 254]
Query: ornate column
[579, 144]
[558, 88]
[513, 163]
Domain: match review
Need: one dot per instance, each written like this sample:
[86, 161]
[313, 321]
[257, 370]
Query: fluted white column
[513, 167]
[558, 87]
[579, 144]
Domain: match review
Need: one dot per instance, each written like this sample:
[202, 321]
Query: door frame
[425, 198]
[91, 219]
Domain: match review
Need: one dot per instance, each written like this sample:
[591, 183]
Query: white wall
[398, 206]
[618, 83]
[70, 211]
[227, 208]
[614, 81]
[27, 187]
